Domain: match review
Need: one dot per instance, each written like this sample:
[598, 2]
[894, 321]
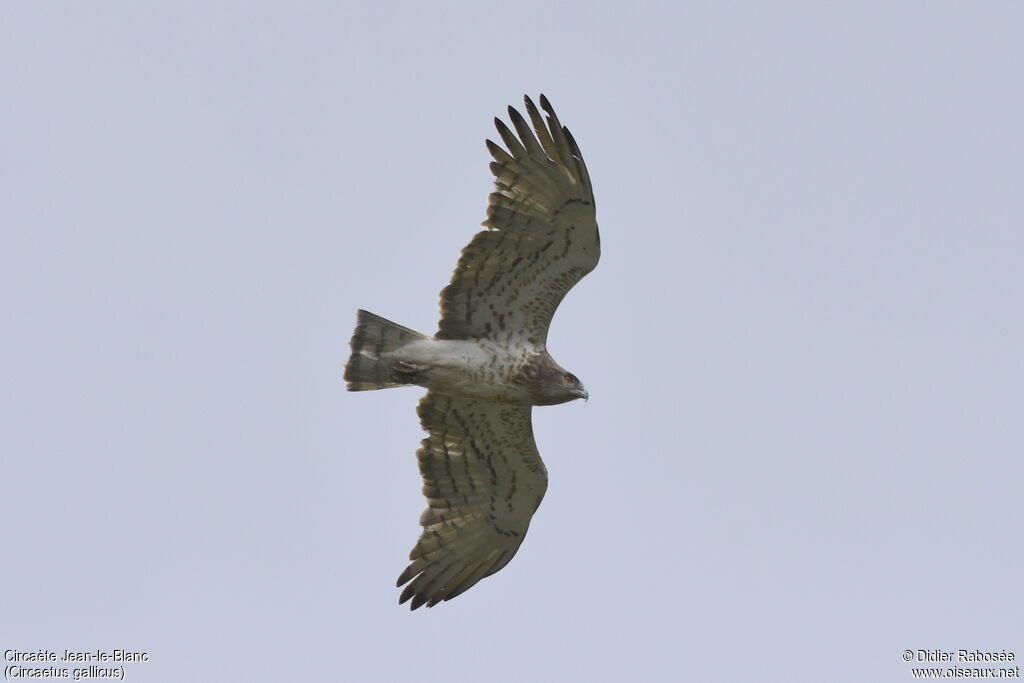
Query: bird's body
[488, 364]
[481, 369]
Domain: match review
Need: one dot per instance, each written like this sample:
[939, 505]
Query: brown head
[548, 383]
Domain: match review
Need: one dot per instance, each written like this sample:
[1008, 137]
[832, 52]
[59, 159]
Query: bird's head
[551, 384]
[574, 386]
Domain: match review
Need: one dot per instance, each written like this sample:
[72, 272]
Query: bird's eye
[568, 379]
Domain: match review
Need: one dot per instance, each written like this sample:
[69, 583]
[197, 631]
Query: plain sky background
[802, 452]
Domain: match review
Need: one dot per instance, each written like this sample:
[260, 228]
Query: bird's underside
[487, 366]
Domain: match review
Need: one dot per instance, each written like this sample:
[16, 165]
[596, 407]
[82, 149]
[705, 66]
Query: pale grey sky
[802, 452]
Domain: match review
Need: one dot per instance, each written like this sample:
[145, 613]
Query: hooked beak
[584, 394]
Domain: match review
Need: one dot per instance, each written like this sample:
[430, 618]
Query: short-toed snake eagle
[488, 364]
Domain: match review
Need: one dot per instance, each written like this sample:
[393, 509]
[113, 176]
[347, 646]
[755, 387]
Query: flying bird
[488, 364]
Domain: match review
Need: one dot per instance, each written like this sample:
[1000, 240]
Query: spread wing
[483, 480]
[542, 239]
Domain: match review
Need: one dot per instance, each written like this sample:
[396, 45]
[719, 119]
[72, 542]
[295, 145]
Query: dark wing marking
[542, 239]
[483, 480]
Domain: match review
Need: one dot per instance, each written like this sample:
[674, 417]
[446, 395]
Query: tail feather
[369, 366]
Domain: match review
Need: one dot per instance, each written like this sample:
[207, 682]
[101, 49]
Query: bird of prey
[488, 364]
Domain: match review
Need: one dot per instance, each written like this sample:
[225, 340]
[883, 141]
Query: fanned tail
[369, 366]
